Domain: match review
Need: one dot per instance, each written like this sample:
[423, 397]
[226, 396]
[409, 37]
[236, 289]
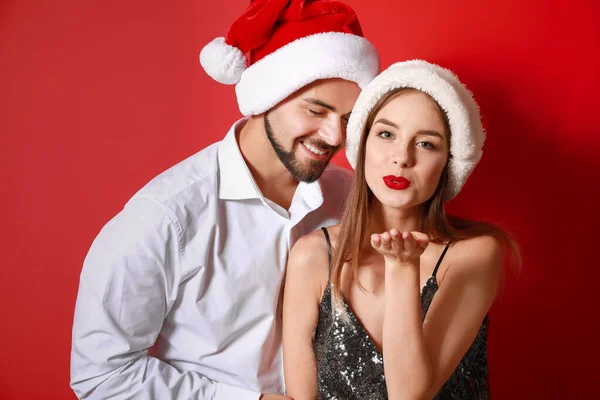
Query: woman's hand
[400, 248]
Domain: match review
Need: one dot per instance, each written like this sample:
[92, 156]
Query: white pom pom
[224, 63]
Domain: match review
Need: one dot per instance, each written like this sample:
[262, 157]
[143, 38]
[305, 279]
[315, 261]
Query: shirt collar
[309, 195]
[237, 183]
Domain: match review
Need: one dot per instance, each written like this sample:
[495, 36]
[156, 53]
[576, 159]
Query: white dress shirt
[180, 293]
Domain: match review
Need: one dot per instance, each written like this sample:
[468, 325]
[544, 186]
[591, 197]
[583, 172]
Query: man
[180, 293]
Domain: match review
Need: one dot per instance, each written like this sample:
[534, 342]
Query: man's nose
[333, 131]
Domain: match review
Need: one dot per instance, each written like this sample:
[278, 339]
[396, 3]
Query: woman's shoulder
[317, 241]
[480, 256]
[483, 247]
[310, 255]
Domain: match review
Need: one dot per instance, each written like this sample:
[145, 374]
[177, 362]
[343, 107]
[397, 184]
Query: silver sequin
[351, 368]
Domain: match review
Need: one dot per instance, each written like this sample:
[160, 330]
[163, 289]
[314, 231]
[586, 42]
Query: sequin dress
[349, 366]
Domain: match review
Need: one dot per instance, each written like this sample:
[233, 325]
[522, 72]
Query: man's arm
[129, 282]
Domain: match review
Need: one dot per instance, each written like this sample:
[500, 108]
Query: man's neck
[272, 177]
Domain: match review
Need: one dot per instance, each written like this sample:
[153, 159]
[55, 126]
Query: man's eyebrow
[319, 103]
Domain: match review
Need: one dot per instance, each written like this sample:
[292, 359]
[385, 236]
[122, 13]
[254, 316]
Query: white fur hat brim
[320, 56]
[466, 131]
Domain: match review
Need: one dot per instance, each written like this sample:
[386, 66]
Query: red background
[96, 98]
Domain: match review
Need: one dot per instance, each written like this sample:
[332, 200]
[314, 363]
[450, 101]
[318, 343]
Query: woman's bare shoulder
[480, 257]
[316, 240]
[309, 255]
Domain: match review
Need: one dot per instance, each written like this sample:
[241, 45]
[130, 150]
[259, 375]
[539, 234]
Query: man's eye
[315, 112]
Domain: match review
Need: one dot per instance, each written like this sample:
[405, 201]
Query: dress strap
[329, 252]
[440, 260]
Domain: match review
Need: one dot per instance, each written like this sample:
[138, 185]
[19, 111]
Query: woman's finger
[375, 241]
[409, 241]
[385, 241]
[422, 239]
[396, 240]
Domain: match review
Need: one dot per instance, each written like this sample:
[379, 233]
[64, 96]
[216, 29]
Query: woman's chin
[396, 201]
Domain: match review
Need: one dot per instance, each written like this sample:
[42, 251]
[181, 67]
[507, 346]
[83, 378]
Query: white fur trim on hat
[466, 132]
[293, 66]
[223, 62]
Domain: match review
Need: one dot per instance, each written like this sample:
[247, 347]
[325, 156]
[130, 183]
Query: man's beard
[304, 173]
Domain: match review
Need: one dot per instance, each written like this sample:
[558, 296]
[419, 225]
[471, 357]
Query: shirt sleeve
[128, 284]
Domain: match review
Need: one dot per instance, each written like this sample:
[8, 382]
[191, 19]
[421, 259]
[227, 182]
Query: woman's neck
[383, 218]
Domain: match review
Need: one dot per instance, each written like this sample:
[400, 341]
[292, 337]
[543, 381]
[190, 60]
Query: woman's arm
[406, 363]
[420, 357]
[461, 303]
[307, 274]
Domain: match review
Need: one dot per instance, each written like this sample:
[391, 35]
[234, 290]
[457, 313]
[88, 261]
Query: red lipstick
[396, 182]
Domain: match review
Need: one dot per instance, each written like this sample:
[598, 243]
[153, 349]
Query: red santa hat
[278, 46]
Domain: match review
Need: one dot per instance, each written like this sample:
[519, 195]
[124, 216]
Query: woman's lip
[396, 182]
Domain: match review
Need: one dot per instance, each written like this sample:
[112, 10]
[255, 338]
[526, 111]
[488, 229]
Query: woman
[393, 302]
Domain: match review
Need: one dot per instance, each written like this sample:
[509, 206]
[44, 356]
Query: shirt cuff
[229, 392]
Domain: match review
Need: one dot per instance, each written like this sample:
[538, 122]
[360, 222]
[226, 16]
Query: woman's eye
[386, 135]
[427, 145]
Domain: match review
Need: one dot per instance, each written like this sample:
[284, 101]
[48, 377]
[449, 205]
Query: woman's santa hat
[278, 46]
